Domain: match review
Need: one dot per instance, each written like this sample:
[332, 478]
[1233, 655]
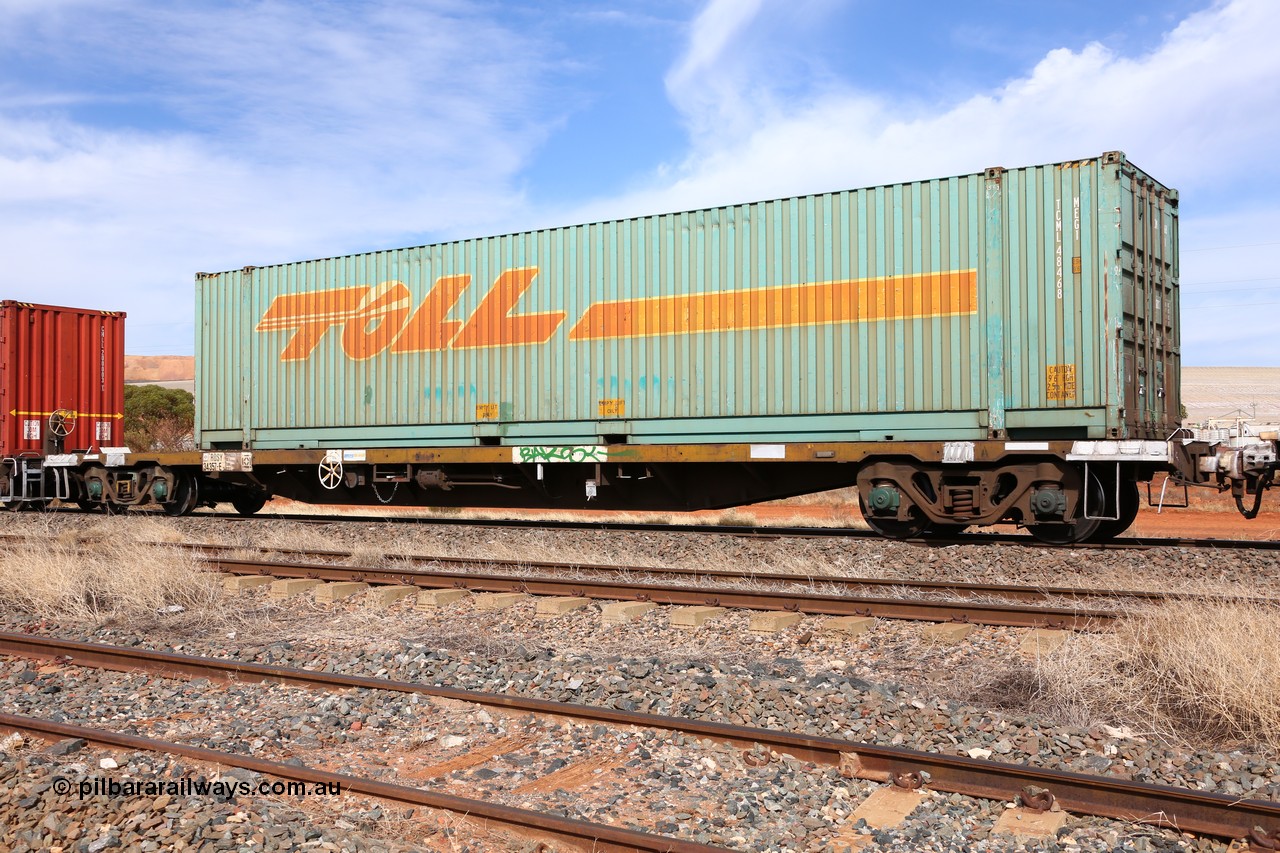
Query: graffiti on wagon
[566, 453]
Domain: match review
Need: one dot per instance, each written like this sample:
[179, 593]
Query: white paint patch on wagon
[240, 460]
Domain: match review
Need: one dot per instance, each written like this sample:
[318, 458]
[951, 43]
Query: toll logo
[383, 318]
[376, 319]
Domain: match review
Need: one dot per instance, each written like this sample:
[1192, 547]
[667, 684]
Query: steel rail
[978, 613]
[776, 532]
[956, 587]
[1033, 593]
[1164, 805]
[582, 834]
[1124, 543]
[968, 588]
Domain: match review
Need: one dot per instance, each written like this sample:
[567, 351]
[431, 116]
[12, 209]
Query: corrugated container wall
[1036, 302]
[68, 361]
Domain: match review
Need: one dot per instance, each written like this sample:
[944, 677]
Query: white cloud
[1204, 104]
[1230, 287]
[280, 131]
[706, 83]
[1200, 112]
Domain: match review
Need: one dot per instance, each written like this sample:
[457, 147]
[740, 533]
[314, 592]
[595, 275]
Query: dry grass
[366, 554]
[529, 545]
[293, 538]
[102, 574]
[736, 518]
[846, 497]
[1190, 672]
[135, 529]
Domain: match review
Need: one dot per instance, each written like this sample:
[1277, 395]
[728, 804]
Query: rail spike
[1036, 799]
[908, 780]
[1260, 839]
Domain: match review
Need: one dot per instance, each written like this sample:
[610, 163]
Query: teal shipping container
[1037, 303]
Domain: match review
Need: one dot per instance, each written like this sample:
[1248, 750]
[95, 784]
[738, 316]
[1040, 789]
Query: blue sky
[143, 141]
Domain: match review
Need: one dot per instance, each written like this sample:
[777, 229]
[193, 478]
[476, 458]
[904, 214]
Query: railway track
[1187, 810]
[675, 574]
[953, 602]
[624, 589]
[773, 532]
[523, 822]
[741, 531]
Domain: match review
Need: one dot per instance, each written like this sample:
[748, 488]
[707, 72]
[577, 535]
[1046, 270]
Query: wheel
[1129, 502]
[893, 528]
[1062, 533]
[330, 474]
[87, 505]
[62, 423]
[186, 496]
[248, 503]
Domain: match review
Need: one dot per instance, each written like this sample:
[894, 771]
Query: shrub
[1188, 670]
[158, 418]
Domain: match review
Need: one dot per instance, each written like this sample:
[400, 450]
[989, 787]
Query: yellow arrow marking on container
[116, 415]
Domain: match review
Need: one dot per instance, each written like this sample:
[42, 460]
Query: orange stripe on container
[493, 324]
[940, 294]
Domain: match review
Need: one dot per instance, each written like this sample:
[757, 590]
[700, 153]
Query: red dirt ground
[1210, 515]
[1203, 520]
[1192, 523]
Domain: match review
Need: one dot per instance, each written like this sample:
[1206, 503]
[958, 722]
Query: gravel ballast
[883, 687]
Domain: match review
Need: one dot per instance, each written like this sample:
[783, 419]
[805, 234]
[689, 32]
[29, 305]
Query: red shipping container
[61, 368]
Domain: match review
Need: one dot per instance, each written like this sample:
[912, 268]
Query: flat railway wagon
[998, 347]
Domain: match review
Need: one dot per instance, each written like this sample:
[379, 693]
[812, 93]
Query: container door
[1149, 331]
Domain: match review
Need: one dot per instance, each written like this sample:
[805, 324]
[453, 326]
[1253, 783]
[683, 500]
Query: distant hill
[1231, 392]
[159, 368]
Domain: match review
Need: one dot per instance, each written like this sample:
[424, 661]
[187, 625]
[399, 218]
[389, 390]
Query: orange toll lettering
[493, 324]
[377, 319]
[309, 316]
[428, 330]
